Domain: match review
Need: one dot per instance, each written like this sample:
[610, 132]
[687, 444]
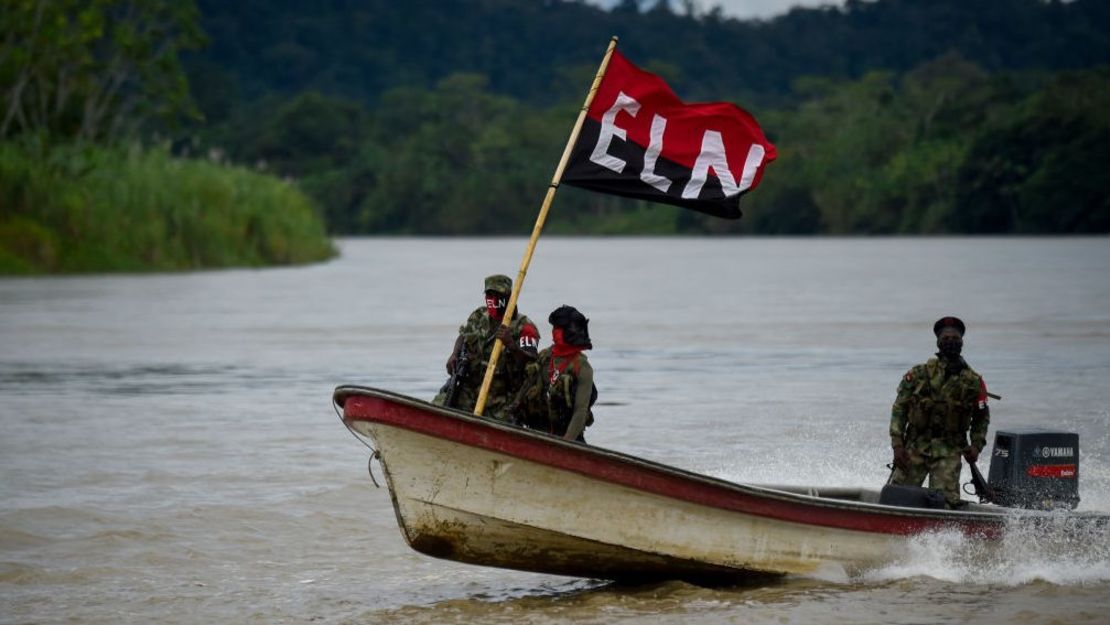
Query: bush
[82, 209]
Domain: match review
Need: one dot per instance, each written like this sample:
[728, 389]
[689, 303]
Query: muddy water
[169, 454]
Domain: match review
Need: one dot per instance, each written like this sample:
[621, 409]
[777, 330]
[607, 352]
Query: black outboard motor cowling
[1035, 468]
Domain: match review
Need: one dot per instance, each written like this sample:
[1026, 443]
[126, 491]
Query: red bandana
[495, 306]
[562, 351]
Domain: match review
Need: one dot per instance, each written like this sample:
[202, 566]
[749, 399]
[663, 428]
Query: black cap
[575, 325]
[948, 322]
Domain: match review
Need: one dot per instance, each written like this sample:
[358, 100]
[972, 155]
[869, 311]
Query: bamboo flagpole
[506, 321]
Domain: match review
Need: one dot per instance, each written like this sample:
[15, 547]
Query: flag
[639, 140]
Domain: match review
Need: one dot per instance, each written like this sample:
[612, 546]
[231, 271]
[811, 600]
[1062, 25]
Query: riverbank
[70, 209]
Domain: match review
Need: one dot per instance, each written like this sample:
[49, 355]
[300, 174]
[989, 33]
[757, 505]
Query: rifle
[458, 376]
[982, 489]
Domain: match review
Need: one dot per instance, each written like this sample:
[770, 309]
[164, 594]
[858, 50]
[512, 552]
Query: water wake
[1058, 550]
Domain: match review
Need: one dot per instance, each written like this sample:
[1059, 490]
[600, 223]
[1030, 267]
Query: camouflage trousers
[943, 472]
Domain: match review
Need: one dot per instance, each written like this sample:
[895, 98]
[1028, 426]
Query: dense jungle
[170, 135]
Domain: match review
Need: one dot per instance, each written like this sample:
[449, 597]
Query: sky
[741, 9]
[747, 9]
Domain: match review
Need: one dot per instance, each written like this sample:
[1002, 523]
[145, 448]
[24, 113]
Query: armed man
[471, 353]
[559, 392]
[939, 404]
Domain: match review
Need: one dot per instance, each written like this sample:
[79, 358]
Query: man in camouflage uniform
[476, 339]
[938, 404]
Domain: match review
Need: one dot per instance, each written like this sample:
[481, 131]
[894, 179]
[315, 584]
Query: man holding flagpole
[467, 363]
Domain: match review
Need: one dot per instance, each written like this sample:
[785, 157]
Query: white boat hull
[478, 506]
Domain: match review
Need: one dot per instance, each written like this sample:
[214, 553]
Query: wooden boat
[481, 491]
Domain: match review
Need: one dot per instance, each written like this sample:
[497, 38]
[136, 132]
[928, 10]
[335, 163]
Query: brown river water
[169, 453]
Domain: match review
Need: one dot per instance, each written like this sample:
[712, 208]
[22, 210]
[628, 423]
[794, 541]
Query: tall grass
[89, 209]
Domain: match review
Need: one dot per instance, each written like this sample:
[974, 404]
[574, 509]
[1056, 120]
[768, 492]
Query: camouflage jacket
[478, 335]
[934, 411]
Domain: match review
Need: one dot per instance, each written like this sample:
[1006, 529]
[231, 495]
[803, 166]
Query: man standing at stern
[939, 404]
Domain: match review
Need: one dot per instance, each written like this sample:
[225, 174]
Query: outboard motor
[1035, 468]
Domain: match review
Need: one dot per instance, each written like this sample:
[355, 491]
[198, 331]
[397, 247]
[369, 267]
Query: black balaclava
[950, 347]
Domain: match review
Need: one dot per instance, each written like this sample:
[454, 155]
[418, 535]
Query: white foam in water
[1055, 551]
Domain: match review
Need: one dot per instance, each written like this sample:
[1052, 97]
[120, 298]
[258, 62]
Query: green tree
[1042, 168]
[94, 69]
[456, 159]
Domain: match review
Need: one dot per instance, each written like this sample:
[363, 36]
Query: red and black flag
[639, 140]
